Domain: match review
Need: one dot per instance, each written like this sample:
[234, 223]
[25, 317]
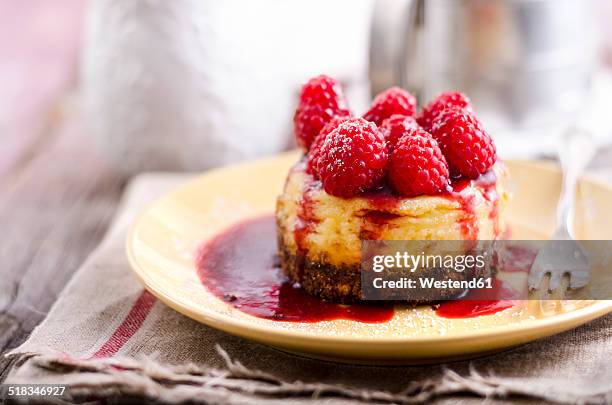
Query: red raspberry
[468, 148]
[442, 102]
[321, 99]
[417, 166]
[309, 120]
[389, 102]
[323, 90]
[396, 126]
[318, 141]
[352, 159]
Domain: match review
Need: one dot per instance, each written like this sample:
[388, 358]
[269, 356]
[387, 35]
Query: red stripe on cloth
[130, 325]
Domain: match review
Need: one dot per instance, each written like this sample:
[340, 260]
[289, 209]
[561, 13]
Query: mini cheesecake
[390, 175]
[320, 235]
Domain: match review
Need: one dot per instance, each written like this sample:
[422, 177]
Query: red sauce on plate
[478, 302]
[240, 267]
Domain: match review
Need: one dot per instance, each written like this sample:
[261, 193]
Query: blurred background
[194, 84]
[95, 91]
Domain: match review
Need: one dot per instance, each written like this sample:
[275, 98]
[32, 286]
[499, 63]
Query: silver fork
[562, 257]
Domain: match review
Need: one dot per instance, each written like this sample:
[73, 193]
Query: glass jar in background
[525, 63]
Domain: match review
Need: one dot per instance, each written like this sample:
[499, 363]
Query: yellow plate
[163, 240]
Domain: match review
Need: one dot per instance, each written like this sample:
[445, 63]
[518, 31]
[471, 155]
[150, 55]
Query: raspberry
[396, 126]
[417, 166]
[442, 102]
[322, 90]
[352, 158]
[389, 102]
[468, 148]
[318, 141]
[321, 99]
[309, 120]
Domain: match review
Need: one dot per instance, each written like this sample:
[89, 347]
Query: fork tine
[555, 280]
[535, 279]
[559, 292]
[579, 279]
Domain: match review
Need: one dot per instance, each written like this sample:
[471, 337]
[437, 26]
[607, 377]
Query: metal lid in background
[527, 65]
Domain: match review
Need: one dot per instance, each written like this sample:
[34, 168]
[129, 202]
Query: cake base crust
[325, 281]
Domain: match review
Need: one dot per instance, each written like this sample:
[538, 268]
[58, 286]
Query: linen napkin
[107, 338]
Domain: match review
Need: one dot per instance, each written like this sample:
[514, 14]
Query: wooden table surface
[57, 195]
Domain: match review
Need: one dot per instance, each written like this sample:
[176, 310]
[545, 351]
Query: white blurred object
[193, 84]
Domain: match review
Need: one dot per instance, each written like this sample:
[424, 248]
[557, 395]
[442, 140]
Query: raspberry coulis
[478, 302]
[240, 267]
[306, 221]
[457, 191]
[384, 200]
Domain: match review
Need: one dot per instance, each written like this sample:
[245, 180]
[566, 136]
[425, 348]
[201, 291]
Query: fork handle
[575, 152]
